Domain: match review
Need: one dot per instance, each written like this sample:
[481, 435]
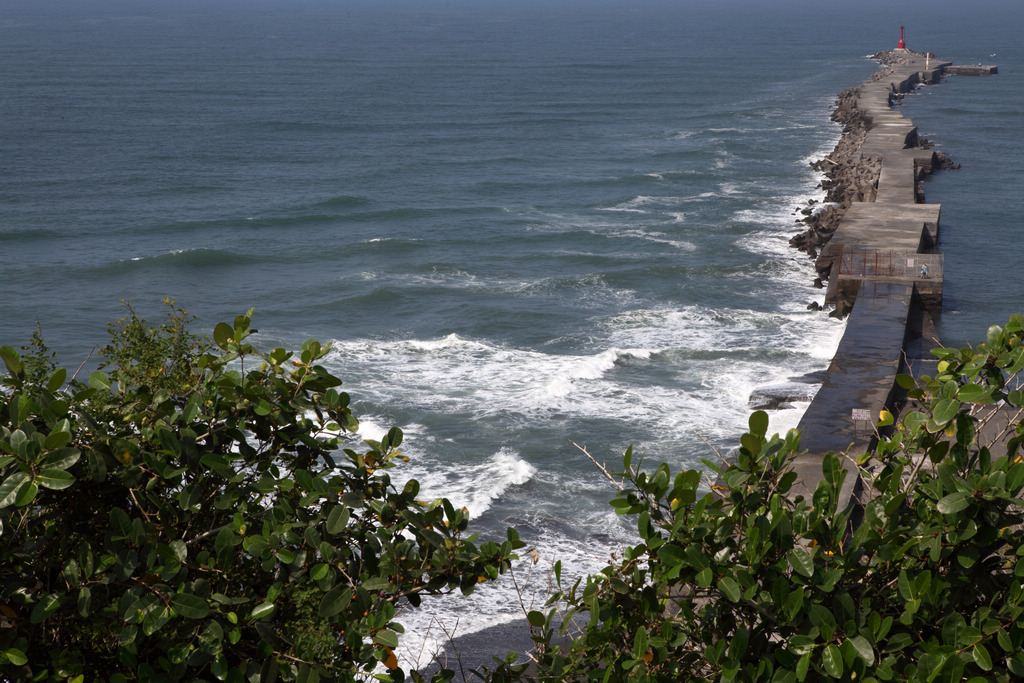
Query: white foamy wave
[172, 252]
[635, 205]
[781, 212]
[688, 350]
[732, 352]
[643, 203]
[659, 237]
[375, 427]
[452, 341]
[819, 153]
[588, 368]
[453, 374]
[370, 429]
[440, 619]
[474, 486]
[560, 223]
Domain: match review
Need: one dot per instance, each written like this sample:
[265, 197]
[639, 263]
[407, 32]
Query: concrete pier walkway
[881, 260]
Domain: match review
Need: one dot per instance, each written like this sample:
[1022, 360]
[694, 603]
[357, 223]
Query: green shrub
[199, 511]
[743, 580]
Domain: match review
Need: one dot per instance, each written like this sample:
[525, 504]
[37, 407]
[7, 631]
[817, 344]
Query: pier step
[971, 70]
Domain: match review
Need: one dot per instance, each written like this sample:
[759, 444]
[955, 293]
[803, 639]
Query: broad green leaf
[219, 667]
[84, 601]
[156, 618]
[802, 666]
[335, 601]
[222, 335]
[954, 502]
[190, 606]
[705, 577]
[99, 380]
[751, 442]
[535, 618]
[56, 380]
[61, 458]
[832, 661]
[758, 423]
[945, 410]
[973, 392]
[993, 335]
[801, 561]
[26, 494]
[906, 381]
[55, 479]
[9, 489]
[952, 627]
[864, 649]
[1015, 664]
[12, 360]
[639, 643]
[982, 657]
[795, 603]
[46, 606]
[730, 589]
[671, 554]
[801, 644]
[823, 618]
[376, 583]
[386, 638]
[262, 610]
[56, 439]
[905, 587]
[913, 420]
[16, 657]
[830, 468]
[255, 544]
[1003, 638]
[337, 519]
[225, 539]
[18, 440]
[215, 462]
[179, 652]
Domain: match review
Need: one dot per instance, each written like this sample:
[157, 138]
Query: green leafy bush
[744, 580]
[197, 511]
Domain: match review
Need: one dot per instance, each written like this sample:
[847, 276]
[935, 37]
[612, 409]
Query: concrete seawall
[881, 265]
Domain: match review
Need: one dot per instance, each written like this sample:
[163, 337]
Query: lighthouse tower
[901, 46]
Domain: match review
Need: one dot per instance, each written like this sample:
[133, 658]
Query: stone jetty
[874, 246]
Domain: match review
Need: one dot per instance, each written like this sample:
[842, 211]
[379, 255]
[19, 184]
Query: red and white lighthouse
[901, 45]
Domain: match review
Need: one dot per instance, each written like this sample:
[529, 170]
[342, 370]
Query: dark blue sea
[520, 224]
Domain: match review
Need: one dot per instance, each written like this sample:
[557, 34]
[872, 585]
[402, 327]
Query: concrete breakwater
[874, 247]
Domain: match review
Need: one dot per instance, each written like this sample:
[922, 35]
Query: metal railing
[866, 263]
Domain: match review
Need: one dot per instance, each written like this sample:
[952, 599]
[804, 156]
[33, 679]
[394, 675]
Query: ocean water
[521, 225]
